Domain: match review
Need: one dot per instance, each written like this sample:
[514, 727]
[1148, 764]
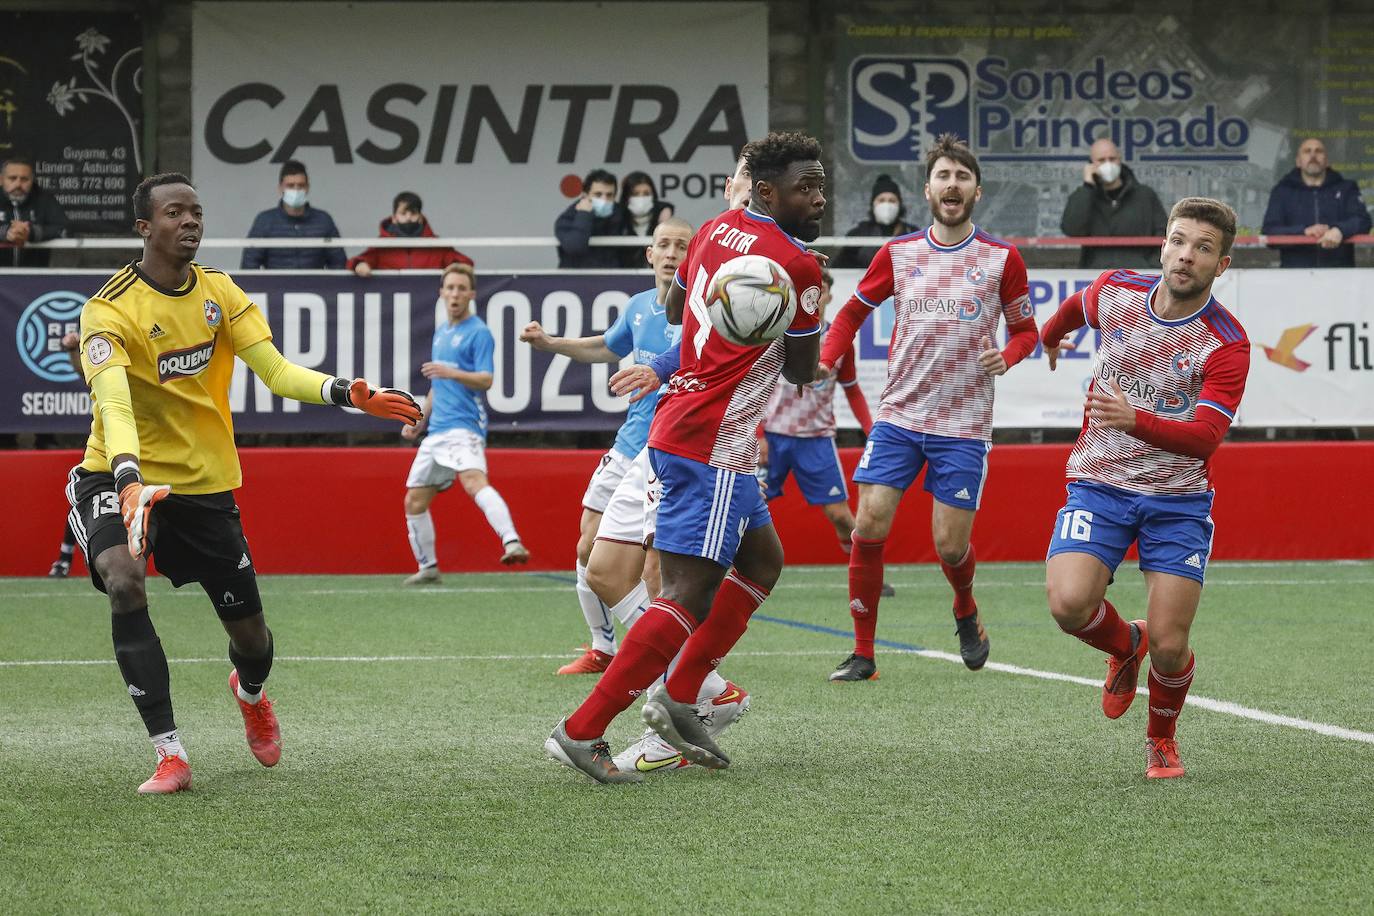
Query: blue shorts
[1174, 533]
[705, 510]
[958, 467]
[814, 461]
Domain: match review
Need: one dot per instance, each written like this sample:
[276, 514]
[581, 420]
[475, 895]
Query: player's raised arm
[288, 380]
[1018, 312]
[875, 286]
[594, 349]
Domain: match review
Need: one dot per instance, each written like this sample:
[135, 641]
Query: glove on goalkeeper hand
[136, 502]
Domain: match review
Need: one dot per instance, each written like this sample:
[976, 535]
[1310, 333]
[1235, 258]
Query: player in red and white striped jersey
[950, 285]
[1168, 379]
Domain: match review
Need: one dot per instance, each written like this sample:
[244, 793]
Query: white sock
[421, 530]
[595, 612]
[498, 515]
[713, 686]
[632, 606]
[245, 696]
[168, 744]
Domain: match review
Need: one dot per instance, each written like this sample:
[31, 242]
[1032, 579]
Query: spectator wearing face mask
[1111, 201]
[886, 214]
[293, 218]
[407, 221]
[595, 212]
[28, 213]
[643, 211]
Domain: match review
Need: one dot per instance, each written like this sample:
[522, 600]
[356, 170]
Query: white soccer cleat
[725, 709]
[650, 754]
[427, 576]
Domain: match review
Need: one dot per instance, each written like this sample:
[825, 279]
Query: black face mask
[409, 230]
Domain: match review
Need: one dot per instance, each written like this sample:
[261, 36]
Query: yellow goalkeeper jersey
[177, 347]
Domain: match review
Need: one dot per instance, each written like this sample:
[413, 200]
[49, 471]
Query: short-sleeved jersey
[713, 405]
[177, 347]
[946, 299]
[642, 328]
[1172, 369]
[469, 346]
[811, 414]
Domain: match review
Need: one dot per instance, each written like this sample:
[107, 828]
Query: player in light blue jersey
[642, 332]
[455, 419]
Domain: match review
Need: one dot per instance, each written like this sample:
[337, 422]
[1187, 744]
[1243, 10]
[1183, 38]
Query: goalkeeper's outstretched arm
[289, 380]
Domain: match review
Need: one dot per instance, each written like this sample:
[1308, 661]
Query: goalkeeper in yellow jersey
[157, 346]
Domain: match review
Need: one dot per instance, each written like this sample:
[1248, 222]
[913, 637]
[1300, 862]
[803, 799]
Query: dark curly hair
[769, 158]
[950, 146]
[143, 194]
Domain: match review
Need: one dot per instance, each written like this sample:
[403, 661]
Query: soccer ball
[751, 300]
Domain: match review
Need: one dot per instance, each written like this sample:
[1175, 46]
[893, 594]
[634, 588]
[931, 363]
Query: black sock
[252, 671]
[144, 666]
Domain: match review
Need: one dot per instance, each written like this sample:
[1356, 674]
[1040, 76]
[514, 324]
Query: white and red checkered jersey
[946, 299]
[1171, 369]
[811, 414]
[713, 405]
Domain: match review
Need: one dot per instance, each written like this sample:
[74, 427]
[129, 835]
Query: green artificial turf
[413, 776]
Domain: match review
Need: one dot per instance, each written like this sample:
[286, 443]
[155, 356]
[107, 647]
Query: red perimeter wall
[309, 510]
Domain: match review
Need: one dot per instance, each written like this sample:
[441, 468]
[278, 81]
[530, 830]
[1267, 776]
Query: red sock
[735, 603]
[644, 655]
[865, 588]
[960, 577]
[1106, 632]
[1167, 692]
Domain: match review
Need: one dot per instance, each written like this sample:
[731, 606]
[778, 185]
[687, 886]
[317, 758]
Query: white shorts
[443, 455]
[607, 476]
[630, 514]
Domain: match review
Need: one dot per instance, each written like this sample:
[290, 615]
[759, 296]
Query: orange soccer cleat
[173, 774]
[1118, 691]
[1161, 759]
[260, 723]
[593, 661]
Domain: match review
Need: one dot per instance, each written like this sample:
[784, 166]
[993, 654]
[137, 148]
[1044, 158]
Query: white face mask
[1109, 171]
[293, 197]
[886, 213]
[640, 205]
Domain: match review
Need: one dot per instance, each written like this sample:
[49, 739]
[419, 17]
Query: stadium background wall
[339, 510]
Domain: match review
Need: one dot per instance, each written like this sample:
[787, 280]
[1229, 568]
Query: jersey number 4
[696, 301]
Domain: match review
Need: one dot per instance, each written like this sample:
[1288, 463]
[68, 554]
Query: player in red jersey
[1167, 382]
[950, 284]
[711, 515]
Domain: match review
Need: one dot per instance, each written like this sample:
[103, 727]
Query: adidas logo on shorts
[834, 491]
[963, 494]
[244, 563]
[1194, 561]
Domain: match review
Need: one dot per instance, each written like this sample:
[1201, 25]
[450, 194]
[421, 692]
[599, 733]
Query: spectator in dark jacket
[28, 213]
[643, 211]
[293, 218]
[886, 218]
[1112, 201]
[1315, 201]
[595, 212]
[407, 220]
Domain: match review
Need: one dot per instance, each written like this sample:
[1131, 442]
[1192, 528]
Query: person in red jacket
[406, 221]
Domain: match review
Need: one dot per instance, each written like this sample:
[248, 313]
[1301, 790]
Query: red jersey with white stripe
[811, 414]
[1172, 369]
[947, 298]
[713, 405]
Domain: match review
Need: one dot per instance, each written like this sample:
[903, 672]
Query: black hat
[885, 184]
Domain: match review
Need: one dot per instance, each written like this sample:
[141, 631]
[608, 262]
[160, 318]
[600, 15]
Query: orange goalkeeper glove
[136, 502]
[385, 403]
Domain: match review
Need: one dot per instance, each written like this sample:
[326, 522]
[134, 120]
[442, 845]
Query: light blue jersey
[642, 327]
[467, 345]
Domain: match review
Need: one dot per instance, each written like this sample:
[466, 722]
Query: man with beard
[949, 285]
[719, 554]
[28, 213]
[1168, 380]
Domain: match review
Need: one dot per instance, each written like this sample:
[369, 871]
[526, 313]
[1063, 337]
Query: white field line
[1221, 706]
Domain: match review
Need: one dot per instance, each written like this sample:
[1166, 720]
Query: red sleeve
[847, 369]
[840, 337]
[877, 282]
[457, 257]
[1223, 384]
[1069, 317]
[858, 404]
[805, 272]
[680, 275]
[1017, 309]
[369, 256]
[1223, 379]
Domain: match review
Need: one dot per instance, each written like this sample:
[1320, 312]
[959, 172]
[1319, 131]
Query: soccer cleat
[651, 754]
[888, 591]
[515, 553]
[1118, 691]
[60, 568]
[260, 724]
[593, 661]
[724, 709]
[427, 576]
[591, 757]
[682, 726]
[1161, 759]
[173, 774]
[973, 640]
[855, 668]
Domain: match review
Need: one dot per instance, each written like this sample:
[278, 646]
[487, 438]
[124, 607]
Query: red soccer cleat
[260, 723]
[1118, 691]
[592, 661]
[173, 774]
[1161, 759]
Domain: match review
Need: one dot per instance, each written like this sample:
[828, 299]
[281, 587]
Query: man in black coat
[595, 212]
[1112, 201]
[1314, 200]
[28, 213]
